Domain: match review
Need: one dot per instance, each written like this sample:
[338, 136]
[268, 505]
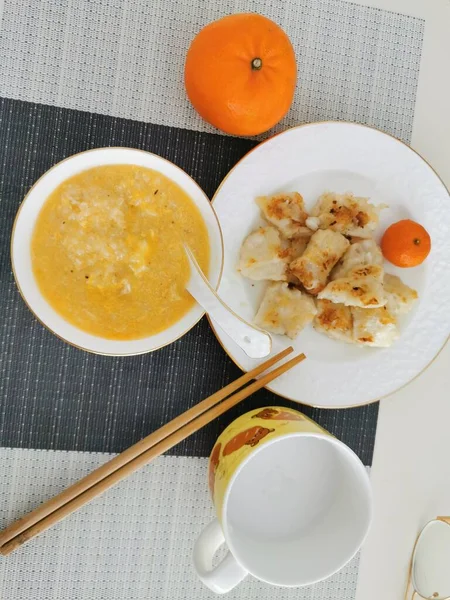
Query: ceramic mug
[293, 503]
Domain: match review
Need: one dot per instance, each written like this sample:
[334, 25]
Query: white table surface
[410, 470]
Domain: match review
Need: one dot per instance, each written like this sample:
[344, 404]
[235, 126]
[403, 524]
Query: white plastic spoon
[255, 342]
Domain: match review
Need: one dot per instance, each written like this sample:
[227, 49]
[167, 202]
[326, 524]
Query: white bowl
[23, 230]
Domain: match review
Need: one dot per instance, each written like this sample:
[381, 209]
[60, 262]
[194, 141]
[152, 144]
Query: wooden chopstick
[136, 456]
[133, 451]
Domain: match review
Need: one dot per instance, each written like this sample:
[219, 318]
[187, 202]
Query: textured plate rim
[268, 387]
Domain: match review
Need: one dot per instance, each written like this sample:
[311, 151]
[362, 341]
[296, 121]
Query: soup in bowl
[97, 250]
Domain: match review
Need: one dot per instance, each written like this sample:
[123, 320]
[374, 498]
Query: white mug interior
[298, 509]
[23, 231]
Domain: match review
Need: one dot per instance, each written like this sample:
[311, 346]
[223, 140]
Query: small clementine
[406, 243]
[240, 74]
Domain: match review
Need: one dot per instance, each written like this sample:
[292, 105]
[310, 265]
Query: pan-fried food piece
[361, 287]
[324, 249]
[330, 255]
[285, 310]
[365, 252]
[374, 327]
[400, 297]
[334, 320]
[345, 213]
[285, 211]
[264, 255]
[297, 246]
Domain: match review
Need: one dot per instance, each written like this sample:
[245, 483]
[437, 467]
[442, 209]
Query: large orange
[240, 74]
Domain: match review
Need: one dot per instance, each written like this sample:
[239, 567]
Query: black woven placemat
[55, 396]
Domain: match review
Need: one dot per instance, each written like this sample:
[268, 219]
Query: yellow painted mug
[293, 503]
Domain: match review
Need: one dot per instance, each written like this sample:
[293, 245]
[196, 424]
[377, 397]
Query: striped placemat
[79, 75]
[133, 543]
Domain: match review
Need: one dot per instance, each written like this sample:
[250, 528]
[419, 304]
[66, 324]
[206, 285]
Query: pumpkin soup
[107, 251]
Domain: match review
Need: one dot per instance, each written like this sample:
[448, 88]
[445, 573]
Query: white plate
[24, 226]
[342, 157]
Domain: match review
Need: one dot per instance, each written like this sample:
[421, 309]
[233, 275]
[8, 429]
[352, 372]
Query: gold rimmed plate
[342, 157]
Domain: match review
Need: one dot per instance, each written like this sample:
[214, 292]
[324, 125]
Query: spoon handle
[255, 342]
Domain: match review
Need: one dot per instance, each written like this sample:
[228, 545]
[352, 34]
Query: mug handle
[228, 573]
